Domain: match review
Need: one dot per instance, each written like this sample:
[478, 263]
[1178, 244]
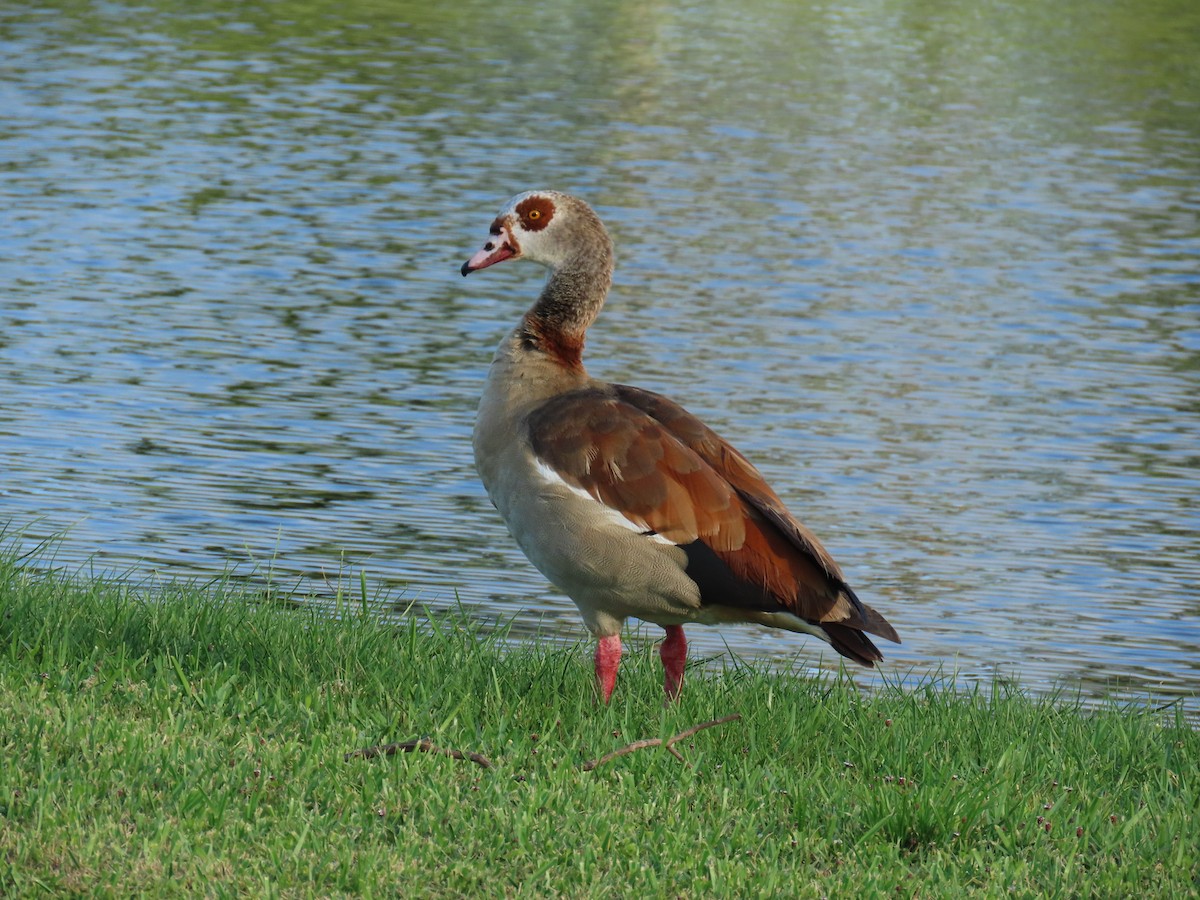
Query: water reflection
[936, 274]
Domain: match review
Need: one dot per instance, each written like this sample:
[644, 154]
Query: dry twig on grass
[419, 745]
[669, 743]
[424, 745]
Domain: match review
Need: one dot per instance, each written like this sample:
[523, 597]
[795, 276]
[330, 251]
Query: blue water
[936, 271]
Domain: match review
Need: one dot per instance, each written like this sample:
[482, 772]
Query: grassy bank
[189, 741]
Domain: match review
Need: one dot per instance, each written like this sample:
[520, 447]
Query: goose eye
[534, 215]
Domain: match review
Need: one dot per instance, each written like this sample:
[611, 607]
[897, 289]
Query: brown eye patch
[535, 213]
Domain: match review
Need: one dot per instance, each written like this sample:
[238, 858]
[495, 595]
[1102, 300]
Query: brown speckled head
[553, 229]
[535, 212]
[563, 234]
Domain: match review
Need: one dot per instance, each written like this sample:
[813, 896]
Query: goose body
[626, 502]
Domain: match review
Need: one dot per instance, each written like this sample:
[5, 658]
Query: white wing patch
[609, 515]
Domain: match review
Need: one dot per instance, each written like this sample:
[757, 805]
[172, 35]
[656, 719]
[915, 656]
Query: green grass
[187, 740]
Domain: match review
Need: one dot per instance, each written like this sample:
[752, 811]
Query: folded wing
[666, 472]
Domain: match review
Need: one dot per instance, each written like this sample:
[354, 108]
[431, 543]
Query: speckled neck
[573, 296]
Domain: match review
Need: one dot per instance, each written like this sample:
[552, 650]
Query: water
[935, 268]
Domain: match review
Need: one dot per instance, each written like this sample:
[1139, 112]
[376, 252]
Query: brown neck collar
[567, 306]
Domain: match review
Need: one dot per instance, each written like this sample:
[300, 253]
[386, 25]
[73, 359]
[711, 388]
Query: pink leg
[608, 658]
[673, 653]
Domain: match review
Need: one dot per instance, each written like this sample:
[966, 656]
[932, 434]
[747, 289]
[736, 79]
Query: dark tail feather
[878, 625]
[848, 637]
[852, 643]
[868, 619]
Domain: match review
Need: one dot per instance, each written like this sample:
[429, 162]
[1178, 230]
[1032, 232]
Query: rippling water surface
[936, 268]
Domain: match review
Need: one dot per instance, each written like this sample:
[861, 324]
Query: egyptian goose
[620, 497]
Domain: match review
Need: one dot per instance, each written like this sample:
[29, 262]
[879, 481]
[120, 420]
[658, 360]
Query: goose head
[547, 227]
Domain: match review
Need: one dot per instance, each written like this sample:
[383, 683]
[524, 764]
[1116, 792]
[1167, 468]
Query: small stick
[688, 732]
[421, 745]
[628, 748]
[669, 743]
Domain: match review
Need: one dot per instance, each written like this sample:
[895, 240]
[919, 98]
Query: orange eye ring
[535, 214]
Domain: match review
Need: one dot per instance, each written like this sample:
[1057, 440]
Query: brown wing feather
[816, 599]
[735, 468]
[664, 470]
[629, 462]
